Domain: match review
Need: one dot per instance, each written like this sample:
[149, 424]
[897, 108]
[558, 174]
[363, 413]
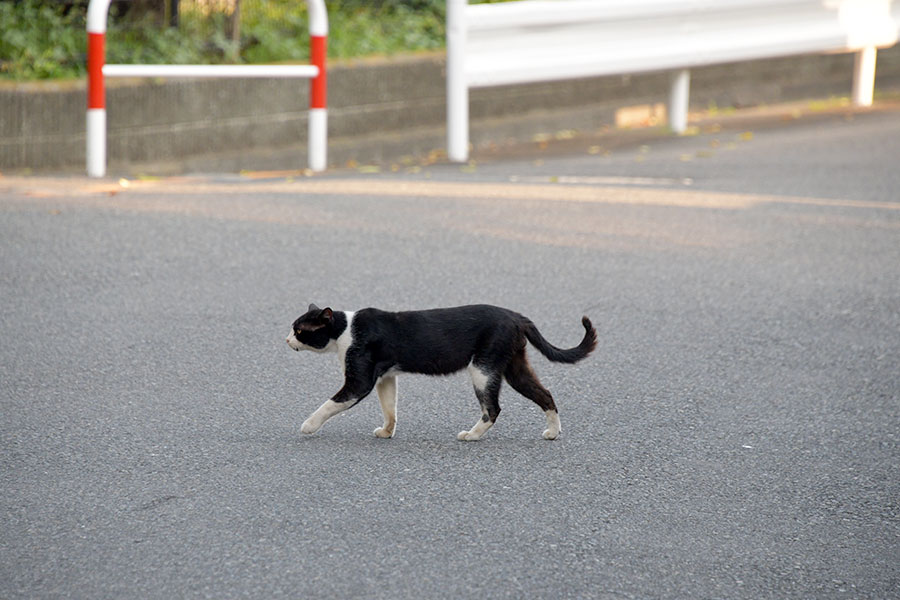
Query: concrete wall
[379, 110]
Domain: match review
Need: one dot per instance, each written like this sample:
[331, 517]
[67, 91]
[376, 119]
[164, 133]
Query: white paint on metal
[96, 16]
[679, 99]
[864, 76]
[318, 17]
[543, 40]
[457, 84]
[508, 42]
[212, 71]
[318, 139]
[96, 142]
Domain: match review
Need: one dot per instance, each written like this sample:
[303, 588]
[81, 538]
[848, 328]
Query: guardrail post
[864, 76]
[318, 87]
[457, 86]
[679, 98]
[95, 134]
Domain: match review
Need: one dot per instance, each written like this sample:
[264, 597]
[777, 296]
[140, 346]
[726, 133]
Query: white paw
[468, 436]
[551, 434]
[381, 432]
[308, 427]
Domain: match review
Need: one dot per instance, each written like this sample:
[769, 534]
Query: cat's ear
[326, 315]
[312, 307]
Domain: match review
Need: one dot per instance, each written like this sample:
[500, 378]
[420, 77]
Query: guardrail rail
[546, 40]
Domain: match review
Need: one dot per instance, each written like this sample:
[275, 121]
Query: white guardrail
[97, 70]
[546, 40]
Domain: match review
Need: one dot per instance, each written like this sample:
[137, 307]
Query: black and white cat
[374, 346]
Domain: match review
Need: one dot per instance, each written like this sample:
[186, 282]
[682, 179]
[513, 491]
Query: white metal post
[457, 86]
[679, 98]
[864, 76]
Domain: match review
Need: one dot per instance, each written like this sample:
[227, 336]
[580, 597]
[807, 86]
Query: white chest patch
[344, 341]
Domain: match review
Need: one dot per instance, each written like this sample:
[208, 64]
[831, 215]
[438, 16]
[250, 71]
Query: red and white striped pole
[318, 87]
[97, 69]
[96, 91]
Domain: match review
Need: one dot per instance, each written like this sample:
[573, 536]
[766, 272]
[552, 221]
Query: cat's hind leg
[521, 377]
[386, 387]
[487, 389]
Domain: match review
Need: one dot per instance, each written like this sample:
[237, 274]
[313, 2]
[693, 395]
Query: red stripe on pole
[96, 56]
[319, 85]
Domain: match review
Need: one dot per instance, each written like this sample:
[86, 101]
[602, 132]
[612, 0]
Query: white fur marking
[474, 434]
[479, 377]
[553, 426]
[386, 387]
[344, 341]
[293, 342]
[322, 414]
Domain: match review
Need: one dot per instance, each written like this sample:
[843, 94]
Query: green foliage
[144, 42]
[40, 41]
[392, 27]
[277, 30]
[46, 40]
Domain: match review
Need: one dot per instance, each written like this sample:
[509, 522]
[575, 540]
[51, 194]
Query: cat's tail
[572, 355]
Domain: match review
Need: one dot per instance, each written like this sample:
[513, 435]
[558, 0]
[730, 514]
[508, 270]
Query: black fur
[439, 342]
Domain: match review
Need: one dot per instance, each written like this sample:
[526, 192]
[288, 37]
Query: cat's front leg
[322, 414]
[357, 385]
[387, 397]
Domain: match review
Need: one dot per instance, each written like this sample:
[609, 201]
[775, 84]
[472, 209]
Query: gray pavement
[735, 435]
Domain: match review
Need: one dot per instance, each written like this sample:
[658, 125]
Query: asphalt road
[735, 435]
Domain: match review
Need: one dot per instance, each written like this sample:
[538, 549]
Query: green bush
[47, 40]
[392, 27]
[40, 41]
[144, 42]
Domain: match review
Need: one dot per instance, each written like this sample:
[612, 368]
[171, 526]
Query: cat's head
[314, 330]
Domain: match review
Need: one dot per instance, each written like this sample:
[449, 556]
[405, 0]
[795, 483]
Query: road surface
[735, 434]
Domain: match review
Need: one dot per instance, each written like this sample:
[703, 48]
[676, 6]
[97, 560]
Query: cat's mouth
[293, 343]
